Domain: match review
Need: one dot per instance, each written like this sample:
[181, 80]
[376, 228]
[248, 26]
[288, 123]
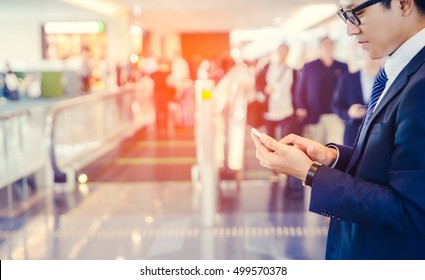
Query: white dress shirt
[400, 58]
[367, 84]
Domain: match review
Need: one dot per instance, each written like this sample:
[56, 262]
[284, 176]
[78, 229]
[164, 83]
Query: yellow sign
[206, 94]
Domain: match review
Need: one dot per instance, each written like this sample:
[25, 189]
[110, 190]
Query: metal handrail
[51, 120]
[26, 169]
[10, 115]
[5, 116]
[59, 175]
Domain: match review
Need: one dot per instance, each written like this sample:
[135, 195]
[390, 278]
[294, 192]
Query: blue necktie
[377, 89]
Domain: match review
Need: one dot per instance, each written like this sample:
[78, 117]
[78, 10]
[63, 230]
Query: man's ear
[406, 6]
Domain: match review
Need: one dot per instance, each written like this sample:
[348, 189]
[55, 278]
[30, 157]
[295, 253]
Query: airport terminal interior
[150, 209]
[95, 166]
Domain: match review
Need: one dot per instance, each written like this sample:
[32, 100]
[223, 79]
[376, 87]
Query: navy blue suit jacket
[348, 92]
[316, 87]
[375, 195]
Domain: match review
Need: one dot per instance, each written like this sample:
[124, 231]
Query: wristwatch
[310, 174]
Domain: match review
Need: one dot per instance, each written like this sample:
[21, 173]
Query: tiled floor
[143, 218]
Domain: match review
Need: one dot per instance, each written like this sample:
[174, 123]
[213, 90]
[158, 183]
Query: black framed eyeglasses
[351, 14]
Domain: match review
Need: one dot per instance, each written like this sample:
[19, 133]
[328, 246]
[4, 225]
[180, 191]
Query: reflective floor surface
[140, 203]
[162, 221]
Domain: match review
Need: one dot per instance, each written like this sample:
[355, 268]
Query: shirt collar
[401, 57]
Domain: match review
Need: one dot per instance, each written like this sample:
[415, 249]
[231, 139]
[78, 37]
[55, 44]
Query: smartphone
[256, 132]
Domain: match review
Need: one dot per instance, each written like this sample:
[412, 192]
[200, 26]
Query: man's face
[381, 30]
[327, 48]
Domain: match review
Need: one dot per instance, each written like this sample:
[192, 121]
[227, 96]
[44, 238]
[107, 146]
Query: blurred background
[52, 33]
[125, 128]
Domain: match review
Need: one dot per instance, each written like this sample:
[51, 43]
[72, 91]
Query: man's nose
[352, 29]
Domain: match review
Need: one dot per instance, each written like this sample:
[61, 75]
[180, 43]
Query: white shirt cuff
[337, 157]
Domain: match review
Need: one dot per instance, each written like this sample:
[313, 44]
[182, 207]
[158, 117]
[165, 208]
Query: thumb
[317, 153]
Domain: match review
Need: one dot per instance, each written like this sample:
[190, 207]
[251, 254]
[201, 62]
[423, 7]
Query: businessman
[374, 192]
[314, 93]
[352, 94]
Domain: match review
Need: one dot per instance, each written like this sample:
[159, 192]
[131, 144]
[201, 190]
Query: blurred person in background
[86, 70]
[180, 73]
[315, 93]
[352, 94]
[162, 93]
[372, 192]
[11, 84]
[276, 82]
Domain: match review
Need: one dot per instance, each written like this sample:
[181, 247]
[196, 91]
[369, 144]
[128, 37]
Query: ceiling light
[74, 27]
[97, 6]
[308, 16]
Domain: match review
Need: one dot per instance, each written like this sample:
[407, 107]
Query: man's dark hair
[421, 6]
[386, 4]
[419, 3]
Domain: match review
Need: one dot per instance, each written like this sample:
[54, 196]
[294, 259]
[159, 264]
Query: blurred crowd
[321, 99]
[173, 83]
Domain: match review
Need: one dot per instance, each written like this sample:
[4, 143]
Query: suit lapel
[395, 89]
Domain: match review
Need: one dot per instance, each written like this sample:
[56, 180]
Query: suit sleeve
[399, 205]
[301, 89]
[294, 87]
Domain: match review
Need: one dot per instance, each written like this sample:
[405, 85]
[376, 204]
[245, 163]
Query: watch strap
[310, 174]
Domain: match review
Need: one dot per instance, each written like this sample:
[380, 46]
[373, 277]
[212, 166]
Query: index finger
[297, 141]
[292, 139]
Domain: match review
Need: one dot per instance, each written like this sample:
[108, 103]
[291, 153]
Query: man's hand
[314, 150]
[357, 111]
[281, 158]
[301, 113]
